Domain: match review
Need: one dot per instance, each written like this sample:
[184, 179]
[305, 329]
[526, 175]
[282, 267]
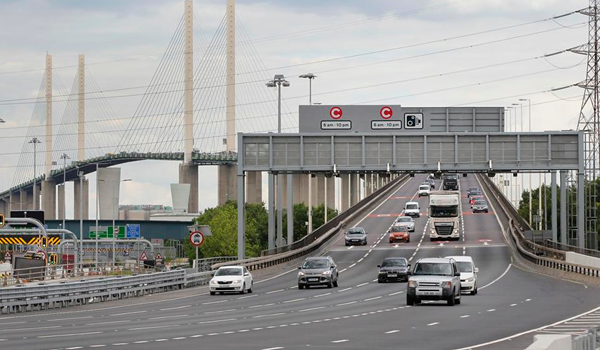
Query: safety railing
[320, 236]
[535, 253]
[587, 341]
[571, 248]
[47, 296]
[207, 263]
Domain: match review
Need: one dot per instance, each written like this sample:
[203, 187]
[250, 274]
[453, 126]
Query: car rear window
[404, 219]
[399, 228]
[315, 264]
[435, 269]
[411, 206]
[393, 262]
[233, 271]
[480, 203]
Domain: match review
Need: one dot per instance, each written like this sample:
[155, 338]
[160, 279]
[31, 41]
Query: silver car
[480, 206]
[356, 235]
[318, 271]
[406, 221]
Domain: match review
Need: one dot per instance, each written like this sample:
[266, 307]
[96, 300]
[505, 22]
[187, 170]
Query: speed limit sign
[196, 238]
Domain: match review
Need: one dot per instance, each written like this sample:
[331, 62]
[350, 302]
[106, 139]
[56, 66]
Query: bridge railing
[320, 236]
[571, 248]
[538, 254]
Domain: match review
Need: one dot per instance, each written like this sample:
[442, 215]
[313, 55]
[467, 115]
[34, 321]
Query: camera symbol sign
[196, 238]
[335, 112]
[386, 112]
[413, 121]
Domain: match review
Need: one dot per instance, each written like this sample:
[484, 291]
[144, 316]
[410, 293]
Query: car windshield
[473, 189]
[411, 206]
[399, 228]
[228, 271]
[426, 187]
[355, 231]
[393, 262]
[464, 266]
[443, 212]
[315, 264]
[435, 269]
[404, 219]
[480, 203]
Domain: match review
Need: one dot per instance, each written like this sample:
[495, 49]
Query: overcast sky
[123, 41]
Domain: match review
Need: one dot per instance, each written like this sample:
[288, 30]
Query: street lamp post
[517, 191]
[64, 157]
[34, 141]
[310, 78]
[530, 187]
[278, 81]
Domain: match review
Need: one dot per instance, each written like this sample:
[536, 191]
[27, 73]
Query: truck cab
[444, 210]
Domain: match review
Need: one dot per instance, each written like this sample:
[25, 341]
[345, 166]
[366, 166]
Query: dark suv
[434, 279]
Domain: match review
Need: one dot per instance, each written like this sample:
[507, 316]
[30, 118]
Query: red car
[399, 233]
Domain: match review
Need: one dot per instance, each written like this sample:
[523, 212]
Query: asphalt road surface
[359, 314]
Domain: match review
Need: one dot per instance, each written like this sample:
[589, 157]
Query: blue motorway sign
[133, 231]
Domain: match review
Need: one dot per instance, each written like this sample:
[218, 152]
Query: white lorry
[444, 210]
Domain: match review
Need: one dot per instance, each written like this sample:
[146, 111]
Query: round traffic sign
[386, 112]
[335, 112]
[196, 238]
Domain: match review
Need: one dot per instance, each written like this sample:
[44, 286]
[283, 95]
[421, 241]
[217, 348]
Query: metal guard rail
[571, 248]
[535, 253]
[57, 295]
[321, 235]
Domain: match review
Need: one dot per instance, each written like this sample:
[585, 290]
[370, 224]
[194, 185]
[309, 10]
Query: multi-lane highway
[359, 314]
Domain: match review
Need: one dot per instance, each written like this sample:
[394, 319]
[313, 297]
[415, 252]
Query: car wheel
[379, 280]
[365, 243]
[330, 285]
[474, 291]
[243, 289]
[335, 283]
[408, 240]
[486, 211]
[347, 244]
[250, 289]
[457, 302]
[452, 299]
[212, 293]
[410, 301]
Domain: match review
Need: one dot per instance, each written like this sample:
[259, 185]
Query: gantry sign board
[421, 152]
[398, 119]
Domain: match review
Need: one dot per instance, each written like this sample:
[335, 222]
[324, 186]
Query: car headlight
[237, 281]
[446, 284]
[413, 284]
[213, 282]
[471, 279]
[301, 273]
[327, 272]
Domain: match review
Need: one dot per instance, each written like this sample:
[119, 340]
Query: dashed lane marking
[393, 331]
[340, 341]
[433, 324]
[66, 335]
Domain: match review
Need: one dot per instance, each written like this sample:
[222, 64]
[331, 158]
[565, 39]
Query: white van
[424, 190]
[412, 209]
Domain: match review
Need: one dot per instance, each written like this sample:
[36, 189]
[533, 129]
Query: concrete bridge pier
[79, 201]
[4, 205]
[49, 199]
[14, 201]
[345, 189]
[227, 183]
[253, 187]
[188, 174]
[354, 189]
[60, 193]
[25, 199]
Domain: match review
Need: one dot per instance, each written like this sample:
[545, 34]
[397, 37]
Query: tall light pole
[35, 142]
[64, 157]
[97, 214]
[310, 77]
[278, 81]
[80, 176]
[530, 187]
[517, 191]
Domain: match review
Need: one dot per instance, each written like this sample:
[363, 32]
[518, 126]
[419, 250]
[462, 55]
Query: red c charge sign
[386, 112]
[196, 238]
[335, 112]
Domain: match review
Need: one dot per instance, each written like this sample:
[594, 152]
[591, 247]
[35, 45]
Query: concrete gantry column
[300, 190]
[563, 207]
[581, 234]
[77, 196]
[271, 211]
[49, 199]
[554, 208]
[318, 187]
[330, 192]
[188, 174]
[61, 201]
[254, 187]
[345, 189]
[284, 192]
[227, 182]
[354, 189]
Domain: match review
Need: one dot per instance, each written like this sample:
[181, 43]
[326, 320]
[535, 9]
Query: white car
[406, 221]
[412, 209]
[424, 190]
[468, 273]
[231, 279]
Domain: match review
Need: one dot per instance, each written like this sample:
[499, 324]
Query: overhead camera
[414, 121]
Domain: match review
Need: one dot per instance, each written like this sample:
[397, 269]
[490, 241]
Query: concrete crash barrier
[551, 342]
[58, 295]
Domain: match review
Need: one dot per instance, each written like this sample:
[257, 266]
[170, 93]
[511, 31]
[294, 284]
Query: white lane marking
[215, 302]
[70, 318]
[97, 346]
[394, 331]
[321, 295]
[219, 312]
[159, 340]
[340, 341]
[196, 336]
[275, 348]
[74, 347]
[529, 331]
[248, 296]
[107, 322]
[66, 335]
[165, 317]
[465, 316]
[348, 303]
[269, 315]
[28, 329]
[11, 323]
[175, 308]
[513, 304]
[395, 293]
[350, 247]
[491, 310]
[128, 313]
[374, 298]
[293, 300]
[433, 323]
[141, 341]
[217, 321]
[275, 291]
[498, 278]
[120, 344]
[243, 330]
[153, 327]
[312, 308]
[527, 299]
[255, 306]
[362, 284]
[179, 338]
